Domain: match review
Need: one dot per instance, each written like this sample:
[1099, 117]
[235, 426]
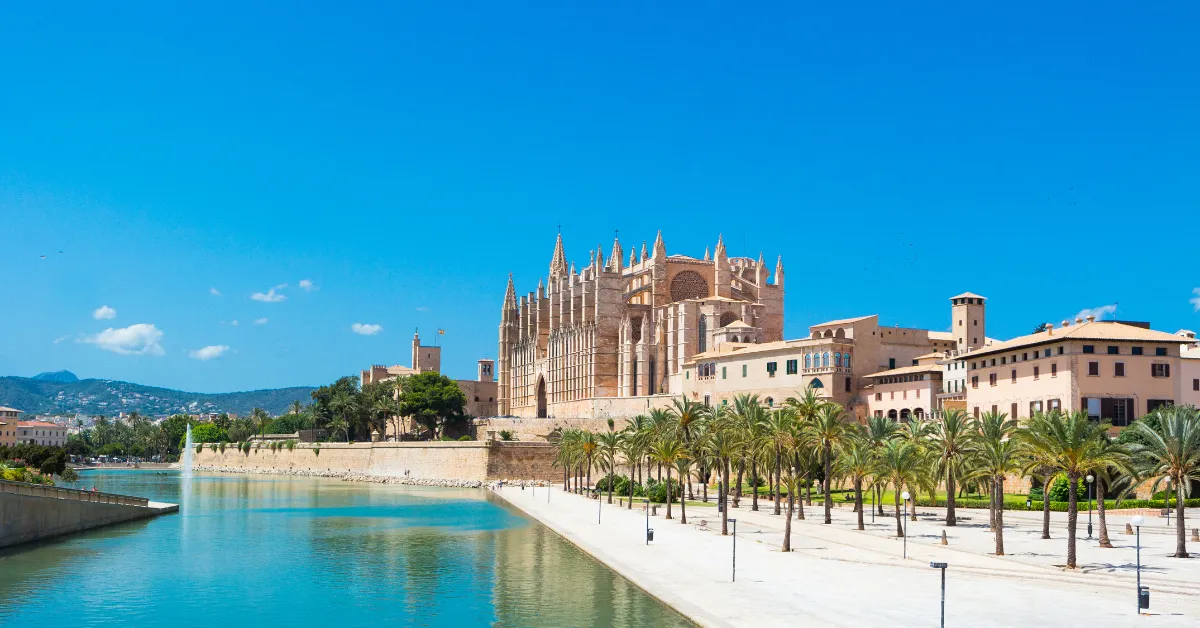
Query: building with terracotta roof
[1116, 371]
[41, 433]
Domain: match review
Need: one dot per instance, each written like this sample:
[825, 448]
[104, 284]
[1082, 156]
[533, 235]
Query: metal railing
[54, 492]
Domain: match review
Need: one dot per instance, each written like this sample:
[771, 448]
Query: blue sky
[405, 159]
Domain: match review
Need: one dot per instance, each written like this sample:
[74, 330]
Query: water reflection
[317, 553]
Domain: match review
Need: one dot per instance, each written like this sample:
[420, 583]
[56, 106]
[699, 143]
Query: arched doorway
[541, 398]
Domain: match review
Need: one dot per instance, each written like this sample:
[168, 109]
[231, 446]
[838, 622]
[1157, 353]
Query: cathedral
[612, 338]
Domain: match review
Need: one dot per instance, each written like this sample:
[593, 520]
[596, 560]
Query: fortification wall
[473, 461]
[32, 512]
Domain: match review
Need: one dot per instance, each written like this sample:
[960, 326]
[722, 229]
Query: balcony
[825, 370]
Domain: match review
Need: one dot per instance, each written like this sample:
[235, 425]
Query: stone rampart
[29, 512]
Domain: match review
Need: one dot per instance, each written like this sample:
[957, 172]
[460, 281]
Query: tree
[901, 463]
[432, 400]
[1072, 444]
[343, 404]
[995, 456]
[260, 418]
[858, 463]
[950, 439]
[1041, 327]
[667, 451]
[777, 430]
[879, 431]
[609, 444]
[1172, 453]
[828, 431]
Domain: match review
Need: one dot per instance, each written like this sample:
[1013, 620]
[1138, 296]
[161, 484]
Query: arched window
[825, 360]
[807, 360]
[846, 360]
[816, 383]
[770, 402]
[702, 345]
[837, 359]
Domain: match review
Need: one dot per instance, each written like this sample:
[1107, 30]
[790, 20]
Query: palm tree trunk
[899, 526]
[754, 489]
[1072, 517]
[737, 488]
[704, 476]
[858, 502]
[879, 500]
[1100, 493]
[951, 516]
[787, 522]
[630, 505]
[807, 490]
[668, 491]
[723, 498]
[778, 470]
[912, 515]
[800, 502]
[611, 480]
[588, 486]
[1180, 539]
[1046, 508]
[998, 500]
[682, 507]
[828, 477]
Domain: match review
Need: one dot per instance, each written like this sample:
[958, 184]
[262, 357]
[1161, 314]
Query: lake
[301, 552]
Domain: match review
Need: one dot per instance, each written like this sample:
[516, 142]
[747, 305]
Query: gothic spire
[599, 258]
[660, 249]
[616, 255]
[720, 250]
[632, 257]
[558, 264]
[644, 256]
[707, 257]
[510, 295]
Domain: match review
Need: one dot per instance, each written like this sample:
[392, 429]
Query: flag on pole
[441, 332]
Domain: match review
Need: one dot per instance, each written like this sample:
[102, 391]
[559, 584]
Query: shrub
[507, 435]
[1058, 490]
[291, 444]
[221, 446]
[602, 483]
[69, 475]
[273, 446]
[246, 448]
[316, 450]
[658, 492]
[465, 437]
[199, 447]
[212, 447]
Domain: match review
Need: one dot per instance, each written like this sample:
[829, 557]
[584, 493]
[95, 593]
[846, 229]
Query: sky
[232, 197]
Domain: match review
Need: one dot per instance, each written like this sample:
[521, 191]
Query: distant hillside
[65, 377]
[110, 398]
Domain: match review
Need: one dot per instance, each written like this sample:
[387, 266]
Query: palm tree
[666, 451]
[950, 439]
[996, 455]
[260, 418]
[296, 407]
[748, 416]
[879, 431]
[723, 443]
[609, 443]
[791, 480]
[588, 446]
[1039, 464]
[917, 431]
[827, 431]
[631, 450]
[343, 404]
[858, 463]
[1118, 475]
[777, 430]
[1071, 443]
[1172, 453]
[901, 463]
[683, 464]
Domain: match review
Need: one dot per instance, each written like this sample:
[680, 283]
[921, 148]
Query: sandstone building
[613, 339]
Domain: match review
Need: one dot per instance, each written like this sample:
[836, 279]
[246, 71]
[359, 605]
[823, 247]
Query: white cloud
[270, 296]
[233, 322]
[307, 285]
[366, 329]
[209, 352]
[423, 309]
[104, 313]
[214, 292]
[59, 339]
[1195, 301]
[260, 321]
[139, 339]
[1098, 312]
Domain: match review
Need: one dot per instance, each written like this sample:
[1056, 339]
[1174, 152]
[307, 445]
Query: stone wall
[25, 518]
[472, 460]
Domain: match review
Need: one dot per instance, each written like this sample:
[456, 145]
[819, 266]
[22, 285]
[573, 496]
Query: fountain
[185, 464]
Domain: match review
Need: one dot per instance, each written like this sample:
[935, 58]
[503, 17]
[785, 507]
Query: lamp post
[733, 577]
[905, 497]
[1143, 596]
[649, 531]
[942, 566]
[599, 504]
[1090, 478]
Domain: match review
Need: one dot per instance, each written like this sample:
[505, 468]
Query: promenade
[838, 576]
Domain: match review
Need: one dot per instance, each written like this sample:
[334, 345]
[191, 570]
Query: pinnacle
[558, 264]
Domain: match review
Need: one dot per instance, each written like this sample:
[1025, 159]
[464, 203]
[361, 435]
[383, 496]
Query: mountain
[65, 377]
[40, 395]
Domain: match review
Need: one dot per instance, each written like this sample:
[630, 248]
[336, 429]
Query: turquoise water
[301, 552]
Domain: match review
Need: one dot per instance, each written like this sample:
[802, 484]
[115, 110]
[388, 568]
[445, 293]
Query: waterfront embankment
[31, 512]
[473, 463]
[838, 576]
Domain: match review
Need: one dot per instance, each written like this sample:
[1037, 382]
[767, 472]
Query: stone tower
[968, 321]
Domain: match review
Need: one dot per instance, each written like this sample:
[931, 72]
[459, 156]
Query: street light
[1090, 477]
[649, 530]
[734, 574]
[1143, 594]
[599, 503]
[905, 497]
[942, 566]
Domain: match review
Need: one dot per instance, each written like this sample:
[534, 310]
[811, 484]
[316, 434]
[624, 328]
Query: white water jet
[185, 465]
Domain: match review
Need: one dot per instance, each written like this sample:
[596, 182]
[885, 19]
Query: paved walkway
[838, 576]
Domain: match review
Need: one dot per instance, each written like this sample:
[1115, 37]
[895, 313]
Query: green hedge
[1061, 506]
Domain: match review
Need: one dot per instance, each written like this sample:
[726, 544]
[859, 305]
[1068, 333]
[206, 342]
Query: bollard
[1196, 535]
[1128, 529]
[654, 511]
[944, 538]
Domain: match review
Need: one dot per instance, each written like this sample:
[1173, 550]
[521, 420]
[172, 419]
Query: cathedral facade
[611, 340]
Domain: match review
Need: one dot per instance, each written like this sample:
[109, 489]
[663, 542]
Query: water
[314, 552]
